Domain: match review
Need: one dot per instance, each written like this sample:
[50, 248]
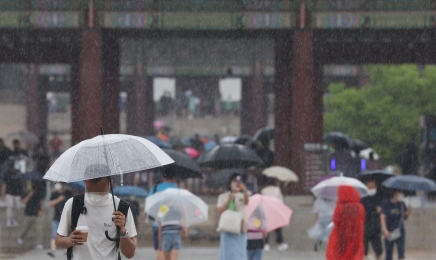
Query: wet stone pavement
[200, 253]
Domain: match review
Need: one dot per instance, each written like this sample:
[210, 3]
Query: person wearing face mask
[233, 246]
[57, 201]
[372, 232]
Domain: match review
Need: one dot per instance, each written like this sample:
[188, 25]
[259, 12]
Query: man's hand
[184, 232]
[76, 238]
[242, 186]
[120, 221]
[386, 233]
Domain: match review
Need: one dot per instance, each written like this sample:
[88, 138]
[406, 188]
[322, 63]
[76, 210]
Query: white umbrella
[120, 153]
[228, 139]
[280, 173]
[366, 152]
[176, 207]
[328, 189]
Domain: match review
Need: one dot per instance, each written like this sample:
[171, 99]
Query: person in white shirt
[99, 217]
[273, 190]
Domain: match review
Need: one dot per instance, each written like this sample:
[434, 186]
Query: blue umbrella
[31, 176]
[410, 183]
[128, 190]
[78, 185]
[158, 142]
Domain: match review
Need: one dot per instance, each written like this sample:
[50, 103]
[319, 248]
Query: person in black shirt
[11, 192]
[34, 201]
[18, 151]
[4, 152]
[372, 233]
[57, 200]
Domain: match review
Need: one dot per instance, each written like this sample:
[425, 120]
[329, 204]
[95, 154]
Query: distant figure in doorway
[56, 146]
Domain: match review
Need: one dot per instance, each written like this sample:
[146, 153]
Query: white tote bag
[230, 221]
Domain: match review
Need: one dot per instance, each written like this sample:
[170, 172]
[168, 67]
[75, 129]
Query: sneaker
[51, 253]
[19, 241]
[39, 246]
[283, 247]
[14, 223]
[266, 248]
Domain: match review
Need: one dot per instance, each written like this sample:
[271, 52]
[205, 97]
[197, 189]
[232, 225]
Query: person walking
[4, 152]
[346, 240]
[170, 233]
[273, 190]
[168, 181]
[233, 246]
[57, 201]
[393, 215]
[324, 209]
[372, 220]
[34, 201]
[11, 192]
[99, 217]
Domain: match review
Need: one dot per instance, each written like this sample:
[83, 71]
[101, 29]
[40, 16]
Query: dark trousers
[279, 236]
[375, 240]
[389, 247]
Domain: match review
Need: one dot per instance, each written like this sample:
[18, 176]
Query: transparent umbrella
[328, 189]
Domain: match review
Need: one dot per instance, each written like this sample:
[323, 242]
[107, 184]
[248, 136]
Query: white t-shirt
[273, 191]
[98, 219]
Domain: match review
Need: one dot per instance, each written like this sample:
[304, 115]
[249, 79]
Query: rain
[217, 129]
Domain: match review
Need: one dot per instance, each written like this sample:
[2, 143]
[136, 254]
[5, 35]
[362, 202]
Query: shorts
[54, 228]
[171, 242]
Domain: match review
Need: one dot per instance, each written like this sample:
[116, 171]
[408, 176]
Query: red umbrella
[192, 152]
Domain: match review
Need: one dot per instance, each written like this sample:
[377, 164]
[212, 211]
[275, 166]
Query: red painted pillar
[43, 110]
[144, 104]
[33, 122]
[75, 102]
[111, 85]
[282, 109]
[302, 114]
[91, 73]
[258, 104]
[318, 104]
[245, 116]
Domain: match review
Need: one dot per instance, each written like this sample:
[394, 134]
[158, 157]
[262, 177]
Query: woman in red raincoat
[346, 240]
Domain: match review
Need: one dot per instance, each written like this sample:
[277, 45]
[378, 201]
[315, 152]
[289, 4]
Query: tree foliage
[385, 112]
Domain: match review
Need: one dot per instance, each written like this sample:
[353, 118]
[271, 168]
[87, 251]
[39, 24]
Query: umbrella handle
[117, 236]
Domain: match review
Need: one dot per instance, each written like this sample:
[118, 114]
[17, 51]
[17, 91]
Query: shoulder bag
[231, 219]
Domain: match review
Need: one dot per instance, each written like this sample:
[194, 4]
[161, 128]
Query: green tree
[385, 112]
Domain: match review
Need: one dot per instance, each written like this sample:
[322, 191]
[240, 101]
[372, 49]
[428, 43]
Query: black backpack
[79, 208]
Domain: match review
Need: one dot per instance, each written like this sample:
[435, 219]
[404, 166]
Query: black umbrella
[357, 145]
[338, 139]
[378, 175]
[244, 140]
[229, 156]
[264, 134]
[183, 165]
[222, 178]
[31, 176]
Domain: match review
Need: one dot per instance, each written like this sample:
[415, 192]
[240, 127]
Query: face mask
[372, 192]
[400, 196]
[97, 196]
[58, 186]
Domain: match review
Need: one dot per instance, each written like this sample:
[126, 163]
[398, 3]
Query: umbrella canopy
[378, 175]
[228, 139]
[191, 152]
[357, 145]
[328, 189]
[367, 152]
[158, 142]
[338, 139]
[266, 213]
[78, 185]
[222, 178]
[264, 134]
[31, 176]
[244, 140]
[129, 190]
[183, 165]
[229, 156]
[119, 153]
[176, 207]
[25, 136]
[281, 173]
[158, 124]
[410, 183]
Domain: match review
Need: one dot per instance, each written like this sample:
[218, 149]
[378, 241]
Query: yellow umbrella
[280, 173]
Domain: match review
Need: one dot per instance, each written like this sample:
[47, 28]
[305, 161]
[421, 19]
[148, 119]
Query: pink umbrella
[158, 124]
[192, 152]
[267, 213]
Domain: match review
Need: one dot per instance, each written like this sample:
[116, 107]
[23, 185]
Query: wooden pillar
[130, 109]
[111, 85]
[318, 104]
[148, 102]
[91, 74]
[33, 122]
[142, 105]
[246, 106]
[75, 101]
[259, 114]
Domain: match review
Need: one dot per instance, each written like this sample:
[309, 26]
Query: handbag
[230, 220]
[396, 233]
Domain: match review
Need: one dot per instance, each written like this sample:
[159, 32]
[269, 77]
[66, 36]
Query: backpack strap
[77, 209]
[123, 207]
